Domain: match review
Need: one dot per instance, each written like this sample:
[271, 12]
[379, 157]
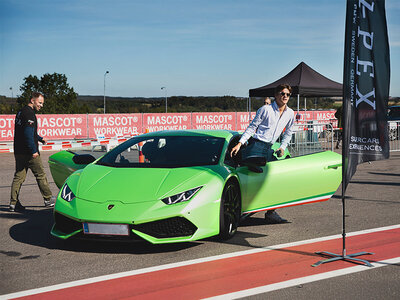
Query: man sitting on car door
[264, 131]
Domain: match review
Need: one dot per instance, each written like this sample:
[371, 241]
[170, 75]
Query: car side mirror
[83, 159]
[254, 163]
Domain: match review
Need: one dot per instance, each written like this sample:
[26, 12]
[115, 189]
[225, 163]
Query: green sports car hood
[134, 185]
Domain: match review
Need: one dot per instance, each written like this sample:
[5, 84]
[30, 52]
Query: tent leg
[249, 110]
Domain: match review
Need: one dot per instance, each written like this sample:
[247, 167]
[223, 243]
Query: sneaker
[50, 202]
[272, 217]
[18, 207]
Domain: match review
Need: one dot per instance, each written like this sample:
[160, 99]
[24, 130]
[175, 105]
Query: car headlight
[181, 197]
[67, 194]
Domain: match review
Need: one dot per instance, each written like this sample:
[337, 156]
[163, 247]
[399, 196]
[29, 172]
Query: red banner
[50, 126]
[214, 121]
[315, 115]
[243, 120]
[7, 127]
[114, 125]
[169, 121]
[79, 126]
[56, 127]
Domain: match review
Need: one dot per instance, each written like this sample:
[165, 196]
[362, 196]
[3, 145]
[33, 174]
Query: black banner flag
[366, 79]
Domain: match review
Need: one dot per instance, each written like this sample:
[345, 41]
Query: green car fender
[62, 165]
[63, 205]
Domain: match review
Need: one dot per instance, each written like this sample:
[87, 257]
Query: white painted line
[184, 263]
[303, 280]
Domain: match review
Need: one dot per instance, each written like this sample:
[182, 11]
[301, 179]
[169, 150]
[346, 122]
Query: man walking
[264, 131]
[26, 153]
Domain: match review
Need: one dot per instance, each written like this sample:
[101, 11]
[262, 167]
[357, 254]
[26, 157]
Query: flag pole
[366, 79]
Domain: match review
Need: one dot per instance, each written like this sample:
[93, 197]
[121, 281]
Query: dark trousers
[258, 148]
[23, 162]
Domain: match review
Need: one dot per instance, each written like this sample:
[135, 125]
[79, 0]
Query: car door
[304, 179]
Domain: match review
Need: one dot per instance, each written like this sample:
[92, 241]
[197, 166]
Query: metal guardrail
[394, 135]
[315, 137]
[311, 137]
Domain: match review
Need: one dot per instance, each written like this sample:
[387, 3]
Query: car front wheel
[230, 211]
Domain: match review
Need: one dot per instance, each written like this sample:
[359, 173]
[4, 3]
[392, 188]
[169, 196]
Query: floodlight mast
[104, 107]
[166, 99]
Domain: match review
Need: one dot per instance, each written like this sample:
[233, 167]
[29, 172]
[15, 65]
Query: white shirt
[268, 125]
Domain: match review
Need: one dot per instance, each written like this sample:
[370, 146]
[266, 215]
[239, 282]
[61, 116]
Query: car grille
[167, 228]
[66, 225]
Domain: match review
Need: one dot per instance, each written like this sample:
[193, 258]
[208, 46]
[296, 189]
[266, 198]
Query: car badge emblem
[110, 206]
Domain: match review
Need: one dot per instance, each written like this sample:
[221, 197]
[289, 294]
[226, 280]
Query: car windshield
[165, 152]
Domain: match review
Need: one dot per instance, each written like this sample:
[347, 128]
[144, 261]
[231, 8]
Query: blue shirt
[268, 125]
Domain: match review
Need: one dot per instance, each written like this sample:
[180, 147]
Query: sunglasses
[285, 94]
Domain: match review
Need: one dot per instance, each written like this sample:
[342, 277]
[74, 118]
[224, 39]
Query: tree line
[60, 98]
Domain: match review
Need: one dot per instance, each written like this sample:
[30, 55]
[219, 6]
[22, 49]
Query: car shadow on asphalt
[349, 198]
[385, 174]
[376, 183]
[35, 230]
[241, 237]
[339, 196]
[256, 221]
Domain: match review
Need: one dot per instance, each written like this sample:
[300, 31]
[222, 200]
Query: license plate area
[105, 229]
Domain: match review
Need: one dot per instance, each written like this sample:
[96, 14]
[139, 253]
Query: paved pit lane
[31, 258]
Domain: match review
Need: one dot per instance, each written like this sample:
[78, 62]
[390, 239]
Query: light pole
[105, 90]
[166, 99]
[12, 99]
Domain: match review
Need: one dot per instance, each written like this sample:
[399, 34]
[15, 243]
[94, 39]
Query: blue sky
[192, 47]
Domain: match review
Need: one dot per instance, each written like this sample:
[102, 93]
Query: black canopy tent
[305, 82]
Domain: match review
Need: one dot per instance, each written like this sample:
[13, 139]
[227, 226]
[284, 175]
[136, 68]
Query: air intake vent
[66, 225]
[167, 228]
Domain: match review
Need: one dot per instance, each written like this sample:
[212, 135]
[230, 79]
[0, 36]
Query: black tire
[230, 211]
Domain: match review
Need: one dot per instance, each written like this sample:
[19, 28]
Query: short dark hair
[36, 95]
[281, 87]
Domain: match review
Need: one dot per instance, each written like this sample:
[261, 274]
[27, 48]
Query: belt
[257, 140]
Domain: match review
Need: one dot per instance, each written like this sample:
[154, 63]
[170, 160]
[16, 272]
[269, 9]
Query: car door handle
[334, 166]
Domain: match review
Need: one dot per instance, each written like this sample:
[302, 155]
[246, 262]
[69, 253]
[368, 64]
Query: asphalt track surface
[261, 261]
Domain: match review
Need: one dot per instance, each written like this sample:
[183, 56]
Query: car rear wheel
[230, 211]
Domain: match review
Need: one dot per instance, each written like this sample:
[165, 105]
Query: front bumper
[154, 222]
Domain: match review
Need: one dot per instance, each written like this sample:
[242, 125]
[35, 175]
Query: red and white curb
[233, 275]
[72, 144]
[304, 280]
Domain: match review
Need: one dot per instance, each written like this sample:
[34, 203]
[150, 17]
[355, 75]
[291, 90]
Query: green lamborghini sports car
[176, 186]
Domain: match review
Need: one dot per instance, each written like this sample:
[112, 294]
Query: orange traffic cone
[141, 156]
